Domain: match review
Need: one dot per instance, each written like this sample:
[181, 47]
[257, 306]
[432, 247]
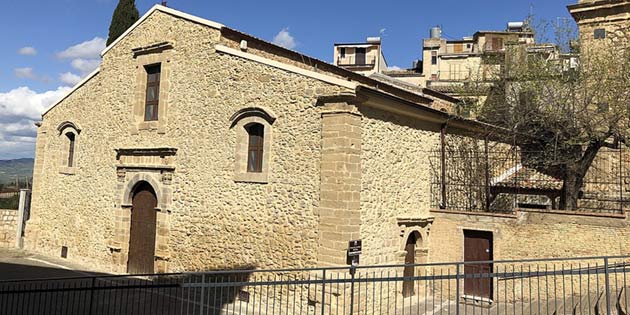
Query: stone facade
[8, 226]
[206, 219]
[345, 157]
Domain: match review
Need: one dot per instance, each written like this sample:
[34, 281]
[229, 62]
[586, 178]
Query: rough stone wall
[531, 235]
[395, 180]
[213, 221]
[8, 226]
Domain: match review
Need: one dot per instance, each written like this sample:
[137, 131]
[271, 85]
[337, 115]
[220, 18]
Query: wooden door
[410, 259]
[142, 234]
[478, 247]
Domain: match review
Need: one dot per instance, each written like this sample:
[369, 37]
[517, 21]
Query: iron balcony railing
[353, 61]
[589, 285]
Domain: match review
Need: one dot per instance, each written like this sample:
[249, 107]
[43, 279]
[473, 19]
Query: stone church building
[195, 146]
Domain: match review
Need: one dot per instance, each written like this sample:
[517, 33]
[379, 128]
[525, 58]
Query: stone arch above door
[135, 180]
[155, 166]
[421, 228]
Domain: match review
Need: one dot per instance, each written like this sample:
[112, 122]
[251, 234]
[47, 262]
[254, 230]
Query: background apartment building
[364, 58]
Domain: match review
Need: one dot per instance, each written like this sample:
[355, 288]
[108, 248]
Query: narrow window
[256, 133]
[434, 57]
[599, 33]
[497, 44]
[359, 56]
[342, 51]
[70, 149]
[153, 92]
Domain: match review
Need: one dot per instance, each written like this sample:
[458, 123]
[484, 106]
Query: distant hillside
[9, 169]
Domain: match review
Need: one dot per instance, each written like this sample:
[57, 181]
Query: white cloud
[69, 78]
[394, 68]
[90, 49]
[284, 39]
[25, 73]
[24, 103]
[29, 73]
[27, 51]
[19, 109]
[85, 65]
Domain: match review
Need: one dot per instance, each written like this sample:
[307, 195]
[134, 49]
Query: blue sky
[47, 46]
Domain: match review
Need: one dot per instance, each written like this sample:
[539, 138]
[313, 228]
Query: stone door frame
[153, 166]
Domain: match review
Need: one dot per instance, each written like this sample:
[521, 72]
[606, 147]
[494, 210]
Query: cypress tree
[124, 16]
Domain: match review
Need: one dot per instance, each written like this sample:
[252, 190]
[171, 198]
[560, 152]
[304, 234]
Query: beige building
[364, 58]
[195, 146]
[601, 21]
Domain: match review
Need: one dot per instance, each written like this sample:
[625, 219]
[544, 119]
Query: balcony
[353, 62]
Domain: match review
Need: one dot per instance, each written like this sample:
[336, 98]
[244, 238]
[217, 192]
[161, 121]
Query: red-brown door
[142, 234]
[478, 247]
[410, 259]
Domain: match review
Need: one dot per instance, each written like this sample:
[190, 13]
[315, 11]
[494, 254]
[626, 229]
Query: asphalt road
[17, 264]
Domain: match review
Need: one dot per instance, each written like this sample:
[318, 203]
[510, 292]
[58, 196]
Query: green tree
[569, 110]
[124, 16]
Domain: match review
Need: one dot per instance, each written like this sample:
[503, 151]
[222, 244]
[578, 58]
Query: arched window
[68, 137]
[71, 139]
[253, 128]
[256, 135]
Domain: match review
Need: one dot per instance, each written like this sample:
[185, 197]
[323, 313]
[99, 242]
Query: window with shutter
[152, 100]
[256, 134]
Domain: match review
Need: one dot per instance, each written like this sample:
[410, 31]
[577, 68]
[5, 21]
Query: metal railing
[9, 200]
[590, 285]
[500, 181]
[349, 61]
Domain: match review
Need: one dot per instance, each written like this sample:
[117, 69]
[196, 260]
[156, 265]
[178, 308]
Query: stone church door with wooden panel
[142, 234]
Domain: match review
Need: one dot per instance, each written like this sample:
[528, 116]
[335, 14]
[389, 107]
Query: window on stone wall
[71, 142]
[152, 93]
[68, 141]
[253, 128]
[256, 136]
[599, 33]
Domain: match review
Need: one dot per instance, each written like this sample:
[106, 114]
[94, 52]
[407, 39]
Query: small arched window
[256, 135]
[253, 128]
[68, 136]
[71, 142]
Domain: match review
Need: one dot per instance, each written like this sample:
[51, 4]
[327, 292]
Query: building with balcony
[448, 63]
[364, 58]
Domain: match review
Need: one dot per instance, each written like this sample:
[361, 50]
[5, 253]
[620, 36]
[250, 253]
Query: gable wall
[211, 221]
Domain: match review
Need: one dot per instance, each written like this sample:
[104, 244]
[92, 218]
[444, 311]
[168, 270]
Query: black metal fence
[591, 285]
[500, 181]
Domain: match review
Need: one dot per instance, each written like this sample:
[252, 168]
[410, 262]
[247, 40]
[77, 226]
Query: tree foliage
[125, 15]
[566, 110]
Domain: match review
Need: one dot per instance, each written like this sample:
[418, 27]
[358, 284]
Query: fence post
[203, 284]
[19, 231]
[353, 270]
[606, 275]
[92, 294]
[457, 289]
[323, 291]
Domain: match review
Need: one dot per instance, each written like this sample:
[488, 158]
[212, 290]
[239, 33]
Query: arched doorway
[142, 234]
[410, 258]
